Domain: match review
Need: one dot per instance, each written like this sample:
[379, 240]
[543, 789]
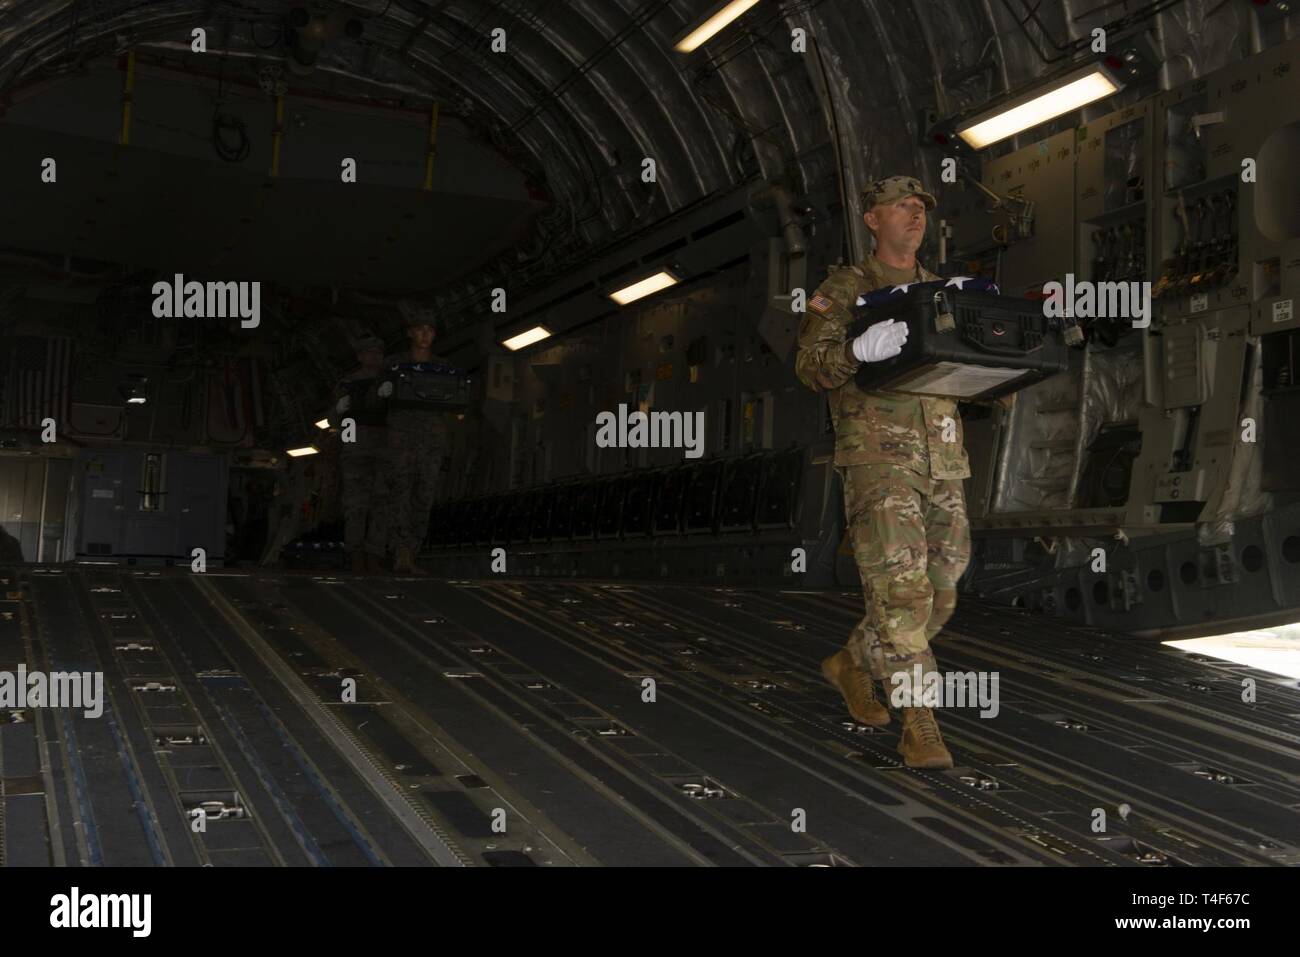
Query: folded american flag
[891, 294]
[435, 367]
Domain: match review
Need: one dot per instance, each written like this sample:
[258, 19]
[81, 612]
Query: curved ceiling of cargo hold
[589, 88]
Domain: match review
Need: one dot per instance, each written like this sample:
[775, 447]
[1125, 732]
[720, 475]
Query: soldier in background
[11, 550]
[417, 439]
[362, 460]
[903, 498]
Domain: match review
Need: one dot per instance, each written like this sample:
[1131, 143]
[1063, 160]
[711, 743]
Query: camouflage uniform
[361, 463]
[416, 440]
[903, 496]
[11, 550]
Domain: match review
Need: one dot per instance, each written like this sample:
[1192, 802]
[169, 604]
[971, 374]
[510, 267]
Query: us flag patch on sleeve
[819, 303]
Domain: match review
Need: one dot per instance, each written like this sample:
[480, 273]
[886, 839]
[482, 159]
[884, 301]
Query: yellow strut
[128, 92]
[433, 148]
[276, 135]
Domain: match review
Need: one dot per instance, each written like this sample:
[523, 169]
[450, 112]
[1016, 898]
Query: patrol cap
[367, 343]
[893, 188]
[414, 314]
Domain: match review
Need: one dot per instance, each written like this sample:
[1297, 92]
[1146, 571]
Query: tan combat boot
[921, 744]
[857, 688]
[404, 565]
[359, 565]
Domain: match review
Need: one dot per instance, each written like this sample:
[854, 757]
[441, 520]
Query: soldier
[11, 550]
[416, 440]
[362, 459]
[903, 497]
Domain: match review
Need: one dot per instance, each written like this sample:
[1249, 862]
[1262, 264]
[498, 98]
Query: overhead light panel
[711, 25]
[134, 389]
[645, 287]
[526, 339]
[322, 423]
[1070, 92]
[305, 450]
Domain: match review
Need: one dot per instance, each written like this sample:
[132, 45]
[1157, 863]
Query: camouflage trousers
[911, 539]
[404, 492]
[360, 470]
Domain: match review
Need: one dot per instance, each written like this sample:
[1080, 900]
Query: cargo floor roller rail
[296, 719]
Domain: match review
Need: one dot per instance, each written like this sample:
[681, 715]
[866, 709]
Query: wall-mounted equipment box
[151, 505]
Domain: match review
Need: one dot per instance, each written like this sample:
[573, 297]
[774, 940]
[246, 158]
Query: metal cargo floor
[503, 723]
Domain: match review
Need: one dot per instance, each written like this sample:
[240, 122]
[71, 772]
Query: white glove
[882, 341]
[385, 390]
[343, 404]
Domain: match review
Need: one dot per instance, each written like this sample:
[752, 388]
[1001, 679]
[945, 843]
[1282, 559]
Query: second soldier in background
[363, 458]
[417, 439]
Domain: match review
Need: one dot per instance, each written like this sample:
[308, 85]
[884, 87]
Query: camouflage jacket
[367, 414]
[887, 428]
